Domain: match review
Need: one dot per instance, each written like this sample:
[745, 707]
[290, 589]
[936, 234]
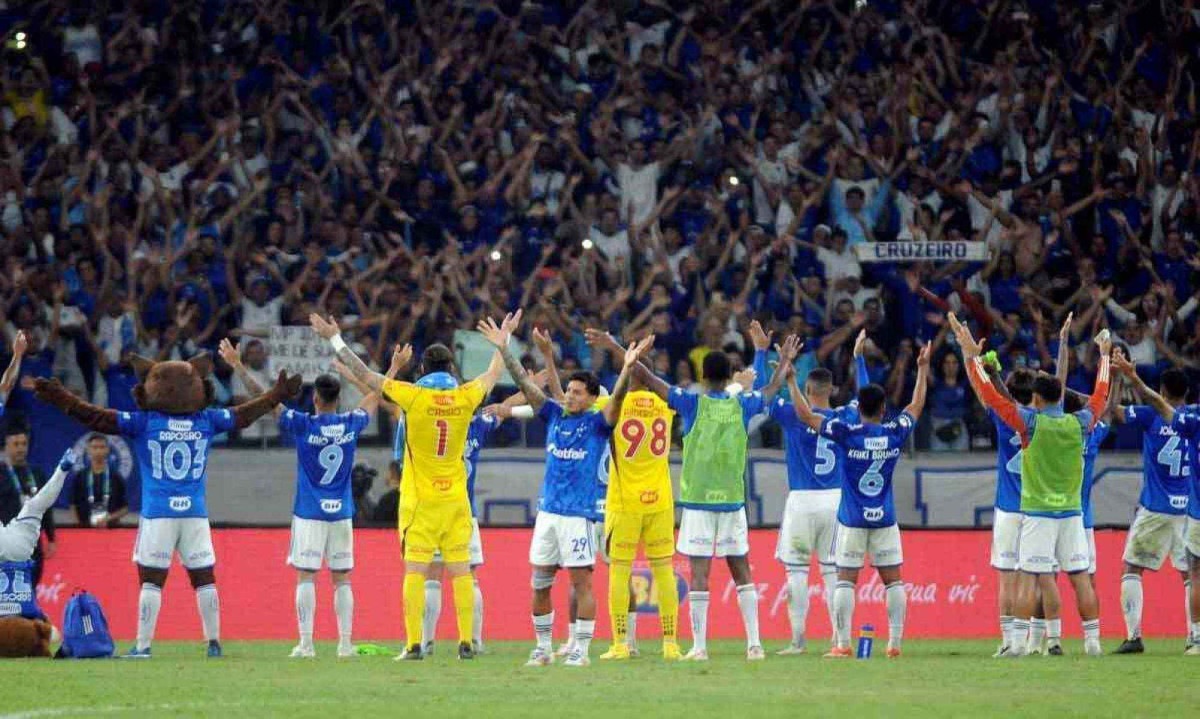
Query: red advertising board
[952, 590]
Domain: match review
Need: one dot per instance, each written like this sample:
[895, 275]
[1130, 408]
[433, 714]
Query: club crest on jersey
[873, 514]
[180, 504]
[180, 425]
[331, 506]
[333, 430]
[650, 496]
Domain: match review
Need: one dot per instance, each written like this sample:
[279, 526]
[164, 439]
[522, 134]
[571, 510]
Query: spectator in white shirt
[609, 237]
[261, 311]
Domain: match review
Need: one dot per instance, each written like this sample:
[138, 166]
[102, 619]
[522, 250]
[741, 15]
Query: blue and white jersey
[18, 596]
[814, 462]
[1187, 423]
[1165, 468]
[872, 451]
[575, 448]
[325, 446]
[477, 435]
[1008, 466]
[172, 455]
[1090, 451]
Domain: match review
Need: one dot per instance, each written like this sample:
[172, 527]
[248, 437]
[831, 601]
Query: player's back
[814, 462]
[872, 451]
[639, 474]
[172, 453]
[437, 422]
[325, 449]
[1165, 466]
[1008, 465]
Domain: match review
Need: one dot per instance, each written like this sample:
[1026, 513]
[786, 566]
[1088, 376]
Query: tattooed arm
[329, 329]
[498, 336]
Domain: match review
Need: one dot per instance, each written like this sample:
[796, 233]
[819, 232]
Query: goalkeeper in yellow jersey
[639, 508]
[435, 512]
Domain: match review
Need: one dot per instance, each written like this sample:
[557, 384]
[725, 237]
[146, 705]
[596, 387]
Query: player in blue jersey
[18, 539]
[867, 512]
[1185, 422]
[171, 447]
[1158, 526]
[564, 533]
[815, 466]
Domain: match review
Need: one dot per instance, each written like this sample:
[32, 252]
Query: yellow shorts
[436, 526]
[623, 531]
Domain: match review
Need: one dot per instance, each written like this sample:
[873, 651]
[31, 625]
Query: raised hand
[790, 349]
[970, 347]
[228, 351]
[541, 339]
[495, 334]
[1121, 363]
[637, 350]
[1064, 334]
[1104, 342]
[401, 356]
[860, 343]
[745, 378]
[20, 344]
[501, 411]
[599, 339]
[760, 337]
[923, 358]
[512, 321]
[326, 328]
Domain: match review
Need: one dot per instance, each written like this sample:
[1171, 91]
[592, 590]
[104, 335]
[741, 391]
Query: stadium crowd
[175, 173]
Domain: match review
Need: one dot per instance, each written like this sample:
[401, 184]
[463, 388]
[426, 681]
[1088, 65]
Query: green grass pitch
[933, 679]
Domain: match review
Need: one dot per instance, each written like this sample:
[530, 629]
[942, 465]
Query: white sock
[1020, 634]
[543, 628]
[748, 602]
[1195, 632]
[433, 610]
[209, 604]
[1006, 630]
[584, 629]
[571, 634]
[306, 604]
[829, 579]
[1131, 604]
[897, 608]
[149, 602]
[477, 633]
[797, 583]
[1054, 632]
[1037, 633]
[1091, 630]
[698, 611]
[631, 630]
[343, 606]
[843, 612]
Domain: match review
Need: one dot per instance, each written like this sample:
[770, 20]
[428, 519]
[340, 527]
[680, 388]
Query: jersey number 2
[634, 432]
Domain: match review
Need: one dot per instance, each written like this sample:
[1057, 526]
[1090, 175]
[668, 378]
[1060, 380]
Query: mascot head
[173, 387]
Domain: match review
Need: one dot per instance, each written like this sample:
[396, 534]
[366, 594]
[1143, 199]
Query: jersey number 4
[634, 432]
[178, 459]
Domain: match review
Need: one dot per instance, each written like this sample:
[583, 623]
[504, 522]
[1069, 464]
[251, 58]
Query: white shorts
[159, 539]
[809, 523]
[704, 533]
[1152, 537]
[601, 554]
[1048, 543]
[851, 545]
[1006, 539]
[19, 538]
[475, 548]
[1091, 535]
[1192, 537]
[315, 541]
[561, 541]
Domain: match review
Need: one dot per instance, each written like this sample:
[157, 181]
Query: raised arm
[788, 351]
[1007, 409]
[632, 356]
[804, 410]
[541, 339]
[862, 378]
[1062, 364]
[498, 336]
[9, 380]
[328, 328]
[1124, 368]
[917, 405]
[762, 342]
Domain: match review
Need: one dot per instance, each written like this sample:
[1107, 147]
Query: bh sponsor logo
[180, 504]
[1179, 501]
[873, 514]
[331, 506]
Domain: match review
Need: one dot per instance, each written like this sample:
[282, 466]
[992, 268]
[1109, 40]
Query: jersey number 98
[634, 432]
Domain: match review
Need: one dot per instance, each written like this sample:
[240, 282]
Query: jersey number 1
[634, 432]
[443, 437]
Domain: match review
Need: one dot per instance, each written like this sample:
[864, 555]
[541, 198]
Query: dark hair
[820, 377]
[590, 382]
[870, 400]
[16, 427]
[1174, 384]
[716, 367]
[327, 388]
[1048, 388]
[437, 358]
[1073, 402]
[96, 436]
[1020, 385]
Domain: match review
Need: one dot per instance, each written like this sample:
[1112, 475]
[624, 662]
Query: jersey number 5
[634, 432]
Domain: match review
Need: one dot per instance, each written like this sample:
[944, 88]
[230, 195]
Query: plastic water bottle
[866, 640]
